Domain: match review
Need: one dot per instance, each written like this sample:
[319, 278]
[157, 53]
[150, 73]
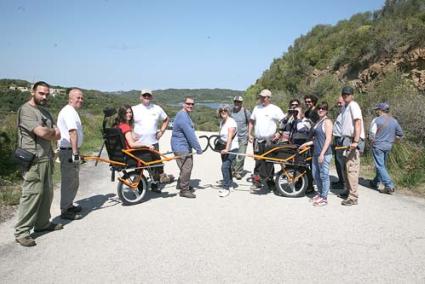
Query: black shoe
[76, 209]
[343, 195]
[50, 228]
[187, 194]
[349, 202]
[26, 241]
[155, 188]
[69, 215]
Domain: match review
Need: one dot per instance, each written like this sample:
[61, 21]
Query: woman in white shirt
[228, 130]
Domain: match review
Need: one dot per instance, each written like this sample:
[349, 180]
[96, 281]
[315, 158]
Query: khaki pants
[70, 179]
[239, 161]
[351, 173]
[36, 199]
[185, 165]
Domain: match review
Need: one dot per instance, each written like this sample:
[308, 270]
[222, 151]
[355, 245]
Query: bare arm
[250, 128]
[73, 138]
[356, 136]
[328, 136]
[134, 144]
[47, 133]
[164, 126]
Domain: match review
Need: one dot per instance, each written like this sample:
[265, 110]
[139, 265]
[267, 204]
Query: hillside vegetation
[382, 55]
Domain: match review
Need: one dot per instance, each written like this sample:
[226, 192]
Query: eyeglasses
[321, 108]
[294, 105]
[190, 104]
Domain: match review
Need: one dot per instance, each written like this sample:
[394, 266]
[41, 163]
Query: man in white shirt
[146, 117]
[264, 120]
[353, 136]
[71, 129]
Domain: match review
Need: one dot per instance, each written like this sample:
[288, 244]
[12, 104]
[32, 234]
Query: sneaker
[26, 241]
[50, 228]
[386, 190]
[320, 202]
[337, 184]
[254, 188]
[315, 198]
[343, 195]
[76, 209]
[69, 215]
[349, 202]
[238, 176]
[187, 194]
[223, 192]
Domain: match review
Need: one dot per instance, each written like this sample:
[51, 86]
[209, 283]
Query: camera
[293, 111]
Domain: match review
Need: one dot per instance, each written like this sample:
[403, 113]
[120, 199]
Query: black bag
[219, 145]
[24, 158]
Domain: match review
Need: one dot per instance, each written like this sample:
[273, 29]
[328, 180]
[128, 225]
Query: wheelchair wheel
[292, 182]
[131, 196]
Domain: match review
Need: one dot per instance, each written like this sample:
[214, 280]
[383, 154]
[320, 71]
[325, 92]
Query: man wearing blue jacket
[183, 140]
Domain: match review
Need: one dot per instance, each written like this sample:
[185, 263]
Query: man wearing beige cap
[241, 115]
[264, 120]
[146, 117]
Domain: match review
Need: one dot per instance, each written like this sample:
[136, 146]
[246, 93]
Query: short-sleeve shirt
[241, 117]
[146, 119]
[337, 129]
[266, 118]
[350, 113]
[68, 119]
[224, 131]
[125, 127]
[29, 118]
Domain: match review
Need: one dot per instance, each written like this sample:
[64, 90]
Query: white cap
[146, 91]
[265, 93]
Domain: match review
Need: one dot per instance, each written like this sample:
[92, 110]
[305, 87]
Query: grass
[9, 195]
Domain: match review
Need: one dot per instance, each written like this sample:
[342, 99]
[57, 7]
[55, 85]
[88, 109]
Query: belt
[65, 148]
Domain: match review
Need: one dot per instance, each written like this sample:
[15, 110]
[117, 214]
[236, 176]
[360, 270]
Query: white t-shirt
[350, 113]
[68, 119]
[146, 119]
[224, 131]
[266, 118]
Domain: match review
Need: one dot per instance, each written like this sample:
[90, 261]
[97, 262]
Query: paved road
[241, 238]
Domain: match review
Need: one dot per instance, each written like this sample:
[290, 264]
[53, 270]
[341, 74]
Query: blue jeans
[380, 158]
[226, 168]
[321, 174]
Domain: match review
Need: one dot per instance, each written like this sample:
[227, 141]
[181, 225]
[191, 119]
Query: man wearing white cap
[264, 119]
[146, 117]
[241, 115]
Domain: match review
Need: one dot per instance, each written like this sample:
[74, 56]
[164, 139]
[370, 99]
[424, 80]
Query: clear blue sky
[122, 45]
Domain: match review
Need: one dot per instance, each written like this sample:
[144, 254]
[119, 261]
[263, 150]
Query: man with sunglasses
[337, 142]
[183, 140]
[147, 117]
[263, 121]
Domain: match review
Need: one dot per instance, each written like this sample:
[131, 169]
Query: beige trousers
[351, 173]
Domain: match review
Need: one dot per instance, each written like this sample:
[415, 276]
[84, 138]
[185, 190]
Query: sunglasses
[321, 108]
[147, 96]
[190, 104]
[308, 102]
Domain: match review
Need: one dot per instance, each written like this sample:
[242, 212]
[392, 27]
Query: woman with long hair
[322, 154]
[228, 129]
[124, 122]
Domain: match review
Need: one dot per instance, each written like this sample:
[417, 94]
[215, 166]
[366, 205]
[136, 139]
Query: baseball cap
[347, 90]
[146, 91]
[265, 93]
[238, 99]
[382, 106]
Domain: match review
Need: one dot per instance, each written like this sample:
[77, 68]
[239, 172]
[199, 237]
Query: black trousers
[149, 156]
[262, 168]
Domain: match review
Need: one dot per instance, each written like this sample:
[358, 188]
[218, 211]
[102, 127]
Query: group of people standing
[144, 124]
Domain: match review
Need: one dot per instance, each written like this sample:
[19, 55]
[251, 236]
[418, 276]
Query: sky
[123, 45]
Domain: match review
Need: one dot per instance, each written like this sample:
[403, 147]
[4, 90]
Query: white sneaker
[223, 192]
